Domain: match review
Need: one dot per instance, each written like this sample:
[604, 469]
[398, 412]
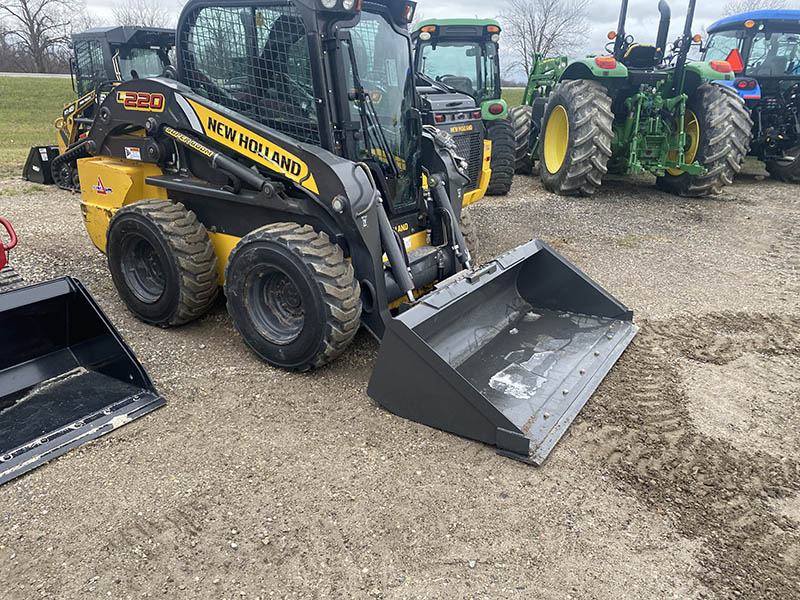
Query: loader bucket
[37, 166]
[66, 375]
[507, 354]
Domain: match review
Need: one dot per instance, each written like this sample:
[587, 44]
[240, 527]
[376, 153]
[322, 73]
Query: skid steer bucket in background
[66, 375]
[507, 354]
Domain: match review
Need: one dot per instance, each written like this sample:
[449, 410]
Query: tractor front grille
[469, 146]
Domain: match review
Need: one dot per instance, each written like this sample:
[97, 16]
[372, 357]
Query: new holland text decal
[250, 144]
[141, 101]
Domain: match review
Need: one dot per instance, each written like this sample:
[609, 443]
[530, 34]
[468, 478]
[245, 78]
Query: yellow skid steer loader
[288, 163]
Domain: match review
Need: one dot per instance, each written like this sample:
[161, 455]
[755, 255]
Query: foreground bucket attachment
[66, 375]
[507, 355]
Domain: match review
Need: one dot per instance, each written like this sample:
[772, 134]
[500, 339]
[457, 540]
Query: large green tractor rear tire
[787, 169]
[575, 141]
[718, 128]
[521, 119]
[501, 134]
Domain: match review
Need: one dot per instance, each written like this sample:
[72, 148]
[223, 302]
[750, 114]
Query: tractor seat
[641, 56]
[462, 84]
[773, 66]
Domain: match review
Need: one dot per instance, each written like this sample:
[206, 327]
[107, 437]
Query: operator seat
[462, 84]
[641, 56]
[773, 66]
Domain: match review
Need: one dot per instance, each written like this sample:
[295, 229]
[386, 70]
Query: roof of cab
[735, 21]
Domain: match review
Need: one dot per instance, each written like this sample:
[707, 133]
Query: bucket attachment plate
[507, 354]
[66, 375]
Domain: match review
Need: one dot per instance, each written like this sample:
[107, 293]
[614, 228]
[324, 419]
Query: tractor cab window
[459, 65]
[254, 61]
[383, 66]
[774, 54]
[720, 44]
[135, 63]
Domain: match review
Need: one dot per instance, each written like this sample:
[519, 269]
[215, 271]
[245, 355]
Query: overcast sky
[642, 19]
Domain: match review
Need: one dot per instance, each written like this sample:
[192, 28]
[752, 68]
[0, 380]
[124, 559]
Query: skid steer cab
[289, 164]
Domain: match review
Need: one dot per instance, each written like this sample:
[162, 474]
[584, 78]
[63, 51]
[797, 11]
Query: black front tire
[501, 134]
[162, 262]
[786, 169]
[725, 130]
[470, 235]
[292, 296]
[521, 119]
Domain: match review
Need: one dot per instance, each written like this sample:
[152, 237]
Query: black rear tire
[501, 133]
[787, 169]
[292, 296]
[574, 157]
[725, 130]
[521, 119]
[162, 262]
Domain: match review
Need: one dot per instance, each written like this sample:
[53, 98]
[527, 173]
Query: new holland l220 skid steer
[288, 163]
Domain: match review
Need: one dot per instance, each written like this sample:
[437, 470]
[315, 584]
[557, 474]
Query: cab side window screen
[254, 61]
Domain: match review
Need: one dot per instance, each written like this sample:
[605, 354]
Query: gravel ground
[679, 479]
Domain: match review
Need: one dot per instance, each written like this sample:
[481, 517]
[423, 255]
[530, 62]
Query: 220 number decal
[141, 101]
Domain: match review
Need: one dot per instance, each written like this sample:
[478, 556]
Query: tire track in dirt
[710, 489]
[783, 255]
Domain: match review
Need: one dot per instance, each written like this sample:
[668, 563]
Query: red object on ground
[12, 242]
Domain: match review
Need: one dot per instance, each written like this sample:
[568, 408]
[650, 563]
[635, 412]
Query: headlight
[328, 3]
[495, 37]
[424, 36]
[348, 4]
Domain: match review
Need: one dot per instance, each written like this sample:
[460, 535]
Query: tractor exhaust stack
[507, 354]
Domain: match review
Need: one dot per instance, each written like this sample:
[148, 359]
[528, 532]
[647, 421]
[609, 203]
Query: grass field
[513, 95]
[28, 107]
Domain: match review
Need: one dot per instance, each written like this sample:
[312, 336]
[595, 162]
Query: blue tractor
[763, 48]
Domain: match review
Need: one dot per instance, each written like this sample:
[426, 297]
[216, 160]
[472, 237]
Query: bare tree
[142, 13]
[38, 28]
[733, 7]
[544, 26]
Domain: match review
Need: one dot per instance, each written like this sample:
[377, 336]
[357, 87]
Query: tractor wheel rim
[142, 270]
[692, 130]
[556, 138]
[275, 304]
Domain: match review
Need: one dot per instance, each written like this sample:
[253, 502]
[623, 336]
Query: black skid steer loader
[289, 164]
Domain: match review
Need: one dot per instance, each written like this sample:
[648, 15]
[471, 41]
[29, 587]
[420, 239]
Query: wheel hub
[142, 269]
[276, 305]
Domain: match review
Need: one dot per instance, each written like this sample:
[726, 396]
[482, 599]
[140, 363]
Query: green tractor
[462, 54]
[642, 109]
